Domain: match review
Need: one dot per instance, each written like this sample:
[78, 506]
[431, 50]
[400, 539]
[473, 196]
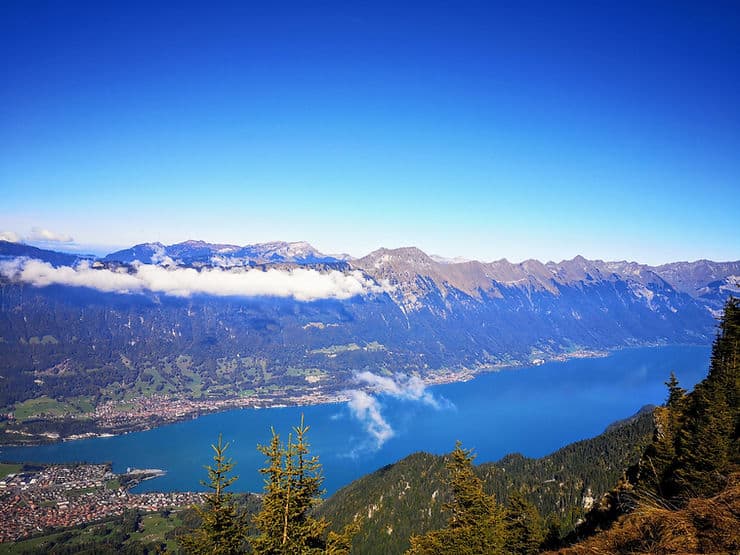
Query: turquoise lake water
[533, 411]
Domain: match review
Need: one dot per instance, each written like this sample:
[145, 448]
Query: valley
[533, 410]
[139, 356]
[81, 355]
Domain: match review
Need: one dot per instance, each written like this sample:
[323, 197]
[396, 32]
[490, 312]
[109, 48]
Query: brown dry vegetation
[709, 525]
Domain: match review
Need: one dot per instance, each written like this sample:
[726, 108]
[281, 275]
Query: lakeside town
[146, 412]
[115, 417]
[61, 496]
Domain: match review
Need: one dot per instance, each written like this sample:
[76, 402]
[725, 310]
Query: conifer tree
[707, 447]
[525, 532]
[308, 531]
[695, 447]
[269, 521]
[223, 528]
[698, 435]
[658, 461]
[676, 393]
[476, 522]
[340, 543]
[292, 488]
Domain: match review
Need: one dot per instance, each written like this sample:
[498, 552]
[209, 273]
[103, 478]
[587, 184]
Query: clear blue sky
[479, 129]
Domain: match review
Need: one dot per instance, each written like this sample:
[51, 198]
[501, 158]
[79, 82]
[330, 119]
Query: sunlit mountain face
[284, 309]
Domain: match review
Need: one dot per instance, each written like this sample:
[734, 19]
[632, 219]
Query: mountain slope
[708, 282]
[684, 494]
[407, 497]
[416, 316]
[10, 251]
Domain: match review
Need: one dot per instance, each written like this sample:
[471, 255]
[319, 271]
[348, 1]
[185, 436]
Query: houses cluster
[60, 496]
[132, 413]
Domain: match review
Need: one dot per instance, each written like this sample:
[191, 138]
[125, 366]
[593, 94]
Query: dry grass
[702, 526]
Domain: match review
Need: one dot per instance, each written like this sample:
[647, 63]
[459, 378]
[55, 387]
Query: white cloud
[44, 235]
[38, 235]
[366, 409]
[301, 284]
[42, 274]
[411, 388]
[10, 236]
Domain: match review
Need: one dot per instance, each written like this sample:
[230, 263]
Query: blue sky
[477, 129]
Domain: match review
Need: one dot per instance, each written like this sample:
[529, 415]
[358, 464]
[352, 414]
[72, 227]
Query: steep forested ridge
[684, 495]
[407, 497]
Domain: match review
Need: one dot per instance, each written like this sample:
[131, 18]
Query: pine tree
[695, 447]
[698, 434]
[269, 521]
[476, 522]
[223, 528]
[292, 488]
[707, 447]
[525, 532]
[676, 393]
[308, 531]
[340, 543]
[658, 461]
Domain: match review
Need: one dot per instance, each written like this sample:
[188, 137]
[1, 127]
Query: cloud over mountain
[10, 237]
[301, 284]
[410, 388]
[46, 236]
[37, 235]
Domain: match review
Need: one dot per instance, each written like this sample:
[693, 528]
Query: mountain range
[419, 275]
[202, 253]
[197, 319]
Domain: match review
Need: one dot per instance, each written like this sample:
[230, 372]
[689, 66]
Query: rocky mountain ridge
[396, 311]
[216, 254]
[413, 274]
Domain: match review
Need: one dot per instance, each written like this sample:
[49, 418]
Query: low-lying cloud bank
[366, 407]
[44, 235]
[10, 237]
[302, 284]
[38, 234]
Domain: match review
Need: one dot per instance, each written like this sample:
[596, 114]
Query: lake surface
[533, 411]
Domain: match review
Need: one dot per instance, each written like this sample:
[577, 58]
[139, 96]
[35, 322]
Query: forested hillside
[684, 495]
[664, 481]
[407, 497]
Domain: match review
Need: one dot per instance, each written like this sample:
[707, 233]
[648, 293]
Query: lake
[533, 411]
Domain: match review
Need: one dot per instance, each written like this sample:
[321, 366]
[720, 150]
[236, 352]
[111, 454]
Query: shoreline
[148, 412]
